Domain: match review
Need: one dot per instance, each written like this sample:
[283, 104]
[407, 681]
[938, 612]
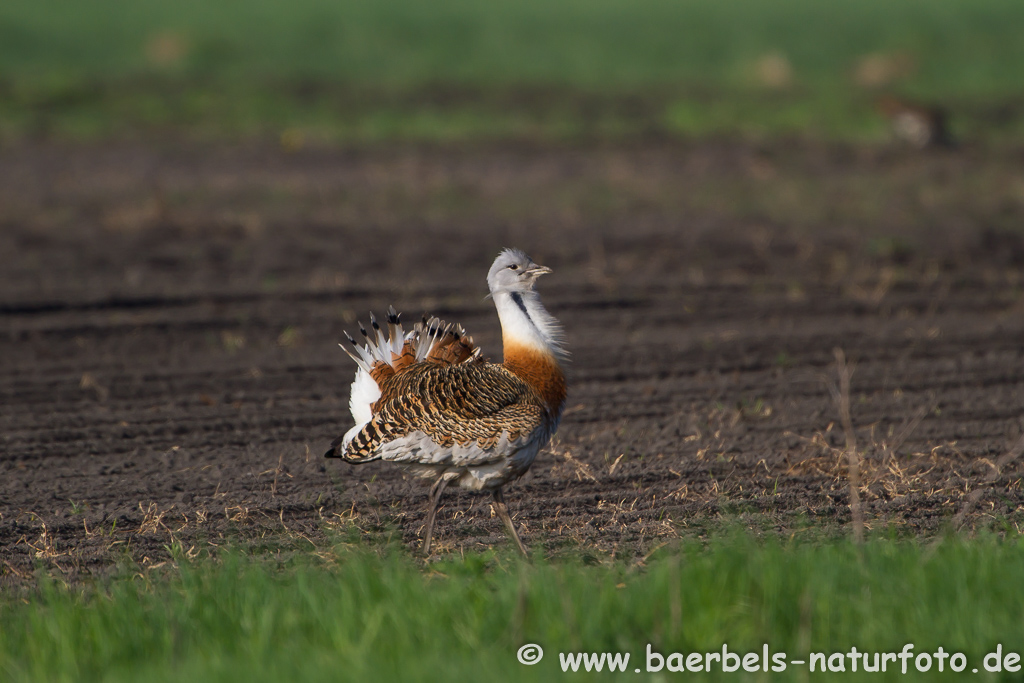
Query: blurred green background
[460, 69]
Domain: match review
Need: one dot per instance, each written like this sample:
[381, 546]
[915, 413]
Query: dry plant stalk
[909, 425]
[582, 469]
[974, 496]
[843, 398]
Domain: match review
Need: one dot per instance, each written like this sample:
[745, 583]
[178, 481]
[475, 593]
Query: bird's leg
[499, 505]
[435, 496]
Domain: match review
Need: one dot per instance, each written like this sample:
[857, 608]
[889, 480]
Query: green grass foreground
[359, 615]
[350, 71]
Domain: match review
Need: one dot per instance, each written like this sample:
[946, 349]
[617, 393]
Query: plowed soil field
[170, 313]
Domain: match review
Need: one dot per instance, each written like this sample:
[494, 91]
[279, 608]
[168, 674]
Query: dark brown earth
[169, 319]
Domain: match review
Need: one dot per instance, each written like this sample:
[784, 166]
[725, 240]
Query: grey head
[514, 271]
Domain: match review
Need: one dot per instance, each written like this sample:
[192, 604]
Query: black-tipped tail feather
[337, 450]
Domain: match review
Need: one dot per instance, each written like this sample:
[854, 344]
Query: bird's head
[514, 271]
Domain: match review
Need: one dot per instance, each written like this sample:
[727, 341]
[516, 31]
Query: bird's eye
[513, 267]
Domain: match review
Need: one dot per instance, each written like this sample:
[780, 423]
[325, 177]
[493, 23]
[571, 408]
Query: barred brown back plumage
[451, 404]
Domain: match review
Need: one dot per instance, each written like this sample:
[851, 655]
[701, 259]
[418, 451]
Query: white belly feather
[474, 467]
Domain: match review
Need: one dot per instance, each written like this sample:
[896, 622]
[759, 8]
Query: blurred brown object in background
[882, 69]
[774, 71]
[916, 124]
[167, 49]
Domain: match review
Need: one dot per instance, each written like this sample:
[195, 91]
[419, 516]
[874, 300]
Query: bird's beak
[536, 271]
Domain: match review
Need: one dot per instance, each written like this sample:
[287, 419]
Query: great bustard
[427, 400]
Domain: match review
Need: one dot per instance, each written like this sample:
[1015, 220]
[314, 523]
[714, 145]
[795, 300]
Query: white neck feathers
[525, 322]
